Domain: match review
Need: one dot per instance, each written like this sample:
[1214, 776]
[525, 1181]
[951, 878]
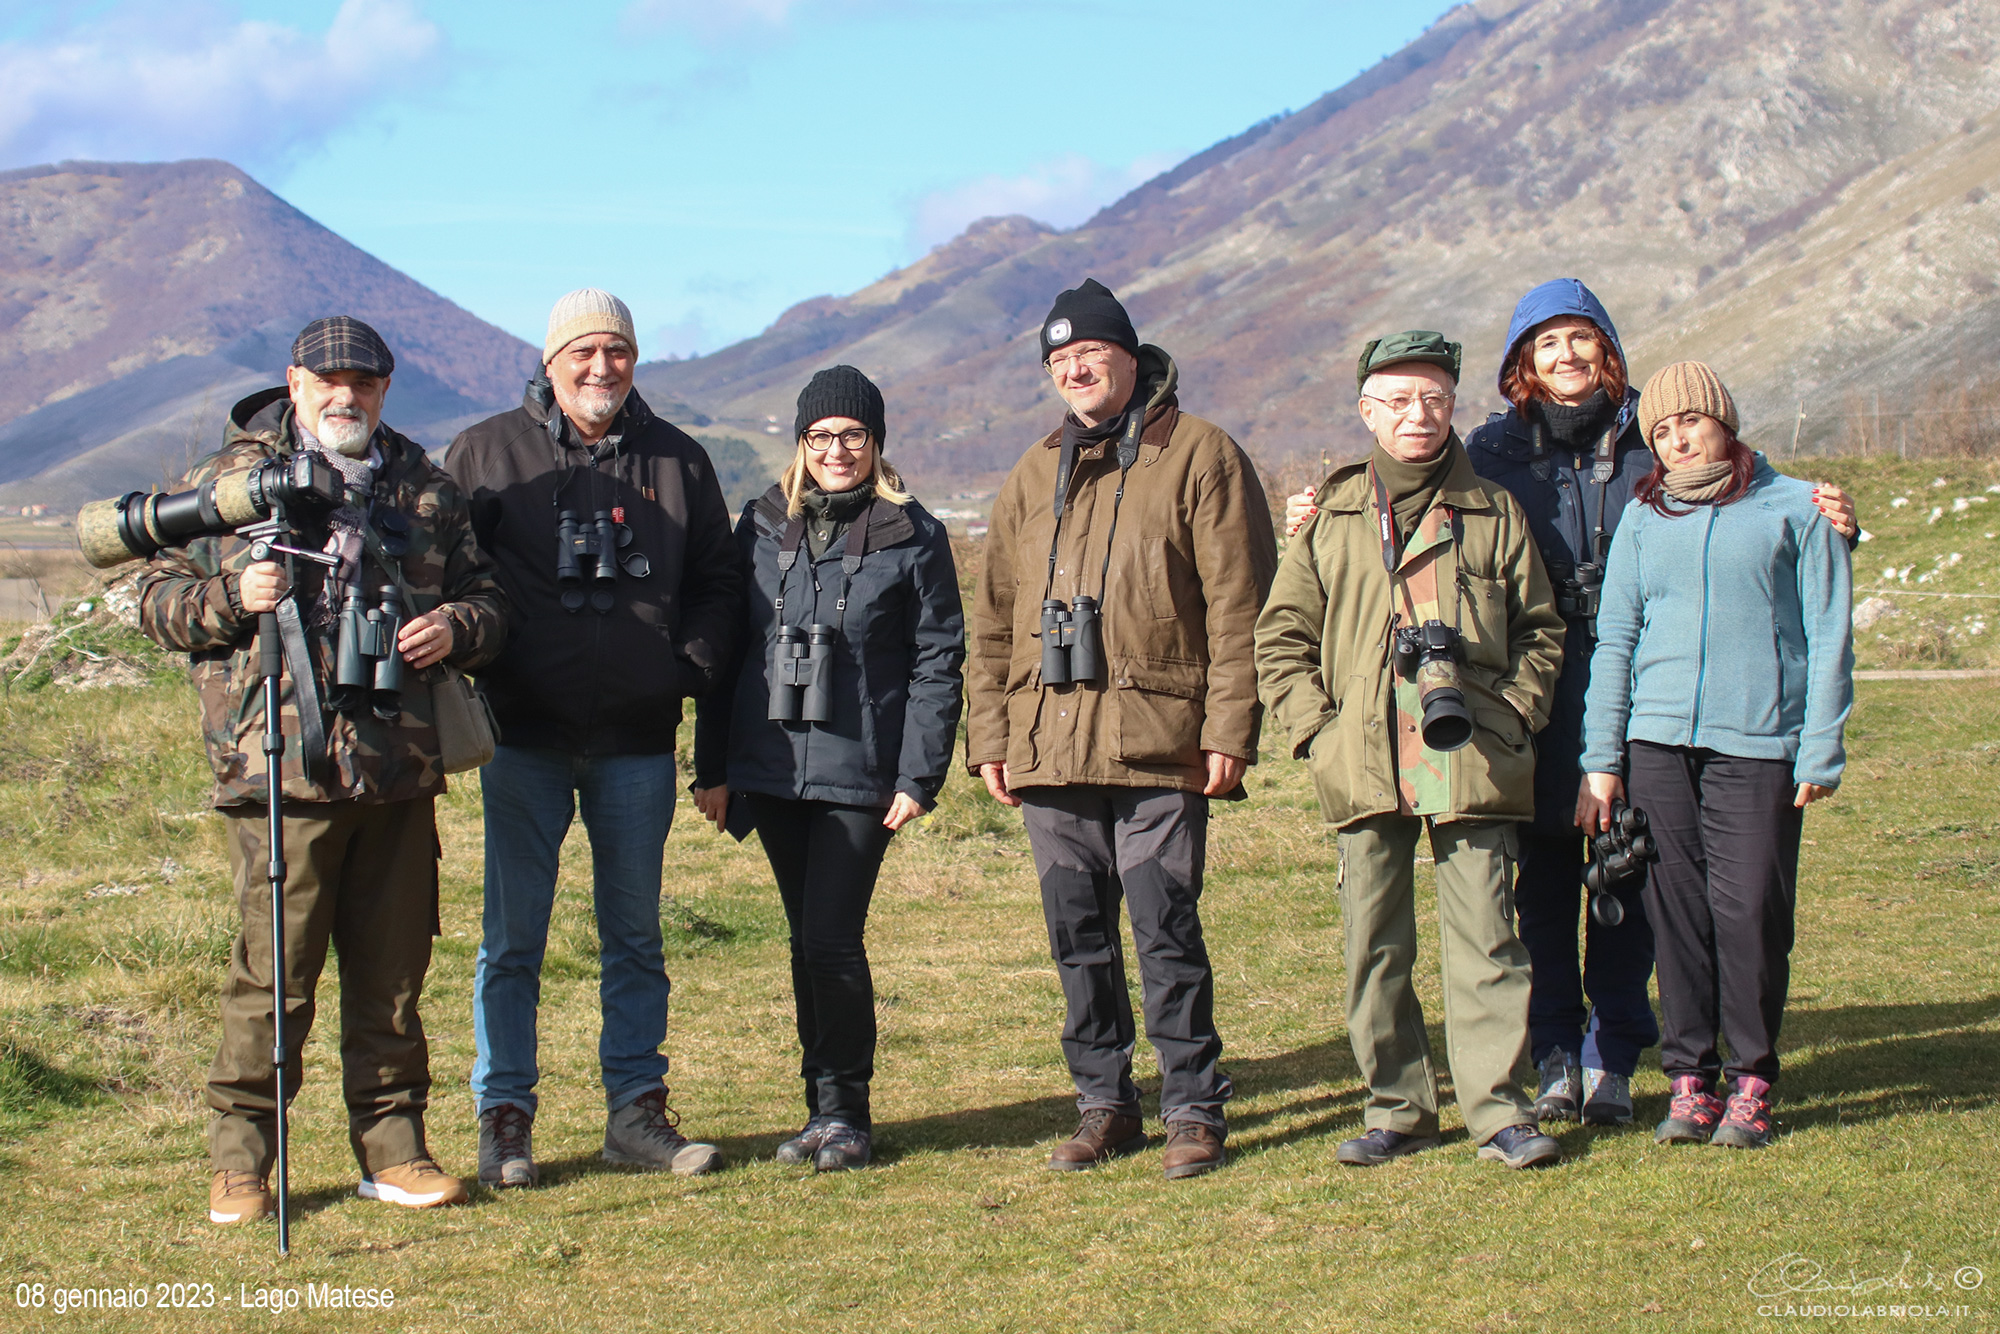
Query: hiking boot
[1746, 1122]
[1558, 1095]
[505, 1156]
[1101, 1134]
[645, 1132]
[417, 1184]
[1376, 1147]
[1522, 1146]
[801, 1147]
[844, 1145]
[1607, 1099]
[1693, 1114]
[238, 1197]
[1193, 1147]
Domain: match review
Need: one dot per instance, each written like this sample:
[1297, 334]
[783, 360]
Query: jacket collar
[888, 524]
[1347, 490]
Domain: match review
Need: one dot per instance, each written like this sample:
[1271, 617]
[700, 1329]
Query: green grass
[115, 905]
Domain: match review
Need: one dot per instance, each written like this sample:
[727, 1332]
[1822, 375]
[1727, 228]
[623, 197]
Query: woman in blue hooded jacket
[1722, 682]
[1569, 449]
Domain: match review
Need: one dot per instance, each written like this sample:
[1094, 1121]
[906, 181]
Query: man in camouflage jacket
[360, 834]
[1409, 536]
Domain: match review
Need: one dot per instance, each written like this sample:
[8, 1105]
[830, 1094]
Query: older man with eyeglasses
[1111, 696]
[1409, 653]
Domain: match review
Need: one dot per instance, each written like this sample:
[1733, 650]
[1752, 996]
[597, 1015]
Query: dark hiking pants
[362, 878]
[825, 858]
[1094, 845]
[1721, 901]
[1616, 966]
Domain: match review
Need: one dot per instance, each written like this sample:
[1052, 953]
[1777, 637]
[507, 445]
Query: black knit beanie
[1087, 312]
[842, 391]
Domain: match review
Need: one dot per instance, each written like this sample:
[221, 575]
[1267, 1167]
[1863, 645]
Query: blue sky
[711, 161]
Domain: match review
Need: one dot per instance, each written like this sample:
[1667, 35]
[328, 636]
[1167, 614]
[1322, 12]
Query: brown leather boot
[1103, 1134]
[1192, 1149]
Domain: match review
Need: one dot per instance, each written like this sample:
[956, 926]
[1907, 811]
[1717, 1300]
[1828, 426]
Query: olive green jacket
[1191, 560]
[1324, 639]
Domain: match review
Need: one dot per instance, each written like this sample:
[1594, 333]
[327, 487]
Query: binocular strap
[856, 546]
[1128, 454]
[305, 692]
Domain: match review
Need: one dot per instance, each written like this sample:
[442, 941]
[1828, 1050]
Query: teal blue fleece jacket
[1727, 628]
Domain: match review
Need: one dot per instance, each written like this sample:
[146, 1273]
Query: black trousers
[826, 858]
[1721, 901]
[1618, 1023]
[1093, 845]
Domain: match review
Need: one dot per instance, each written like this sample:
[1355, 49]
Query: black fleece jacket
[586, 682]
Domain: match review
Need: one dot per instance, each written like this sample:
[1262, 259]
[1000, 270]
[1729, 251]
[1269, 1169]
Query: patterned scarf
[1699, 483]
[344, 525]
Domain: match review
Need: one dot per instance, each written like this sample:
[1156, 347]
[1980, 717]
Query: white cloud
[688, 337]
[710, 19]
[1061, 192]
[152, 83]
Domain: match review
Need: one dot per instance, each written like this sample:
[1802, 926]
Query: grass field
[115, 919]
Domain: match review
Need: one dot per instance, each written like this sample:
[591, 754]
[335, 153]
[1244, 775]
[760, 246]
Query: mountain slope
[1799, 192]
[131, 294]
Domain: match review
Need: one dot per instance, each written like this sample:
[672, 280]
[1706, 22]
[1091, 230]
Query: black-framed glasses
[853, 440]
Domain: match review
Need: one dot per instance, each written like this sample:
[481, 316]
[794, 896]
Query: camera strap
[1385, 523]
[1128, 454]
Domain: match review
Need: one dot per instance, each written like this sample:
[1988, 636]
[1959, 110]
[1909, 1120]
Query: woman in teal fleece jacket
[1721, 685]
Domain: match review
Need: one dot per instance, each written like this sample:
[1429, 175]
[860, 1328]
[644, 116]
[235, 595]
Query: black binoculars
[1428, 655]
[595, 545]
[1579, 591]
[802, 675]
[368, 668]
[1072, 642]
[1619, 857]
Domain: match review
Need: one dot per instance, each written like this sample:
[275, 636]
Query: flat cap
[1411, 345]
[342, 343]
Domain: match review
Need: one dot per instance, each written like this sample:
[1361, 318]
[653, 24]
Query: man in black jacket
[613, 540]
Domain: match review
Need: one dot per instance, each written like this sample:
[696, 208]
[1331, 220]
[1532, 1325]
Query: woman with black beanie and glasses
[836, 728]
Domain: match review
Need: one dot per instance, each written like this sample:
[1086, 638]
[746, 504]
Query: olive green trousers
[1484, 963]
[363, 878]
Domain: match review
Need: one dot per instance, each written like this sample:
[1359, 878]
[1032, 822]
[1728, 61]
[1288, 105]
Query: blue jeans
[628, 805]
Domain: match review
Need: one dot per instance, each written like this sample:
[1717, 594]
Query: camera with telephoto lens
[368, 667]
[1072, 642]
[594, 546]
[1428, 655]
[802, 675]
[138, 524]
[1619, 857]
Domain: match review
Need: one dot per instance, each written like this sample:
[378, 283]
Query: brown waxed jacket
[1323, 651]
[1192, 558]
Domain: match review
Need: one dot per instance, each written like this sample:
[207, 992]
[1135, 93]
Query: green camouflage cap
[1411, 345]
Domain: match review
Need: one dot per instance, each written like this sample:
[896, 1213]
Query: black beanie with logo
[1085, 313]
[843, 391]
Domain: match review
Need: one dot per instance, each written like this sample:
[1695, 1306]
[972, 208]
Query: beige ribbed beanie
[587, 311]
[1685, 386]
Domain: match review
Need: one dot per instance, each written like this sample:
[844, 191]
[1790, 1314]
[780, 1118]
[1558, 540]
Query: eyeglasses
[1064, 363]
[853, 440]
[1433, 405]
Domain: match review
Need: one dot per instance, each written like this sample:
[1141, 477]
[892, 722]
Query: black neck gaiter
[1577, 429]
[1411, 486]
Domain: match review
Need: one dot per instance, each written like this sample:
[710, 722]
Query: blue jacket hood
[1558, 296]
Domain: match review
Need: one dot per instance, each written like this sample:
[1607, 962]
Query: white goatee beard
[344, 435]
[597, 404]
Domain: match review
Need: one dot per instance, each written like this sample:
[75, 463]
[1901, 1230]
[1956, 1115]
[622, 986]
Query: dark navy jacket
[897, 683]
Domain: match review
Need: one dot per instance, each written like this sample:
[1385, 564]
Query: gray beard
[596, 406]
[345, 435]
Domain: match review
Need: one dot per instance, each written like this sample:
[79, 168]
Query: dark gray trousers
[1094, 845]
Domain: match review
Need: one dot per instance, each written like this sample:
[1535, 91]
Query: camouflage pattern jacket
[188, 602]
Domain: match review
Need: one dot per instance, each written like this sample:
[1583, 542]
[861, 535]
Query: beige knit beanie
[587, 311]
[1685, 386]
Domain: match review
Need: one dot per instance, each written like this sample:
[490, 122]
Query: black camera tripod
[264, 539]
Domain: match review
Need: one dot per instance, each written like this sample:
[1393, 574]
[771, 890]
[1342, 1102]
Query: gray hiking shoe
[801, 1147]
[646, 1133]
[506, 1155]
[844, 1147]
[1607, 1099]
[1559, 1094]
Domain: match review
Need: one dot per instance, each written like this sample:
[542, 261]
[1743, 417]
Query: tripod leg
[272, 665]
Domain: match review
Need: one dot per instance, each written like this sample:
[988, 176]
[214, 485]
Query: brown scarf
[1699, 483]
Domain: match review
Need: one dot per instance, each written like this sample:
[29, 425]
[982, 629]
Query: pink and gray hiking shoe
[1692, 1116]
[1746, 1124]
